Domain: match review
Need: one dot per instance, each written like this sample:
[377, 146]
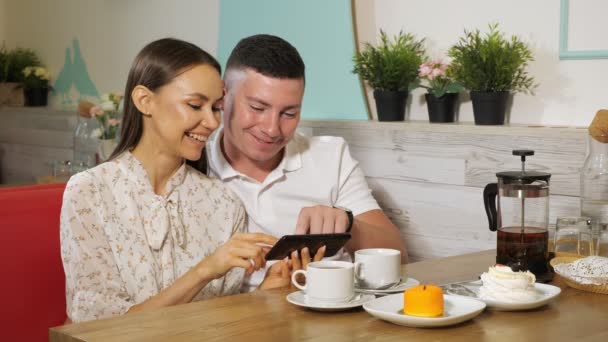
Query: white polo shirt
[314, 171]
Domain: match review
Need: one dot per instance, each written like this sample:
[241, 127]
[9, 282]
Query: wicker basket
[603, 289]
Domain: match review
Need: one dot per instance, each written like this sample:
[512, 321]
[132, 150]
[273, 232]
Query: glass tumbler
[62, 170]
[573, 237]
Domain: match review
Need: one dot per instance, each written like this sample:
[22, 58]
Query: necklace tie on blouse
[168, 216]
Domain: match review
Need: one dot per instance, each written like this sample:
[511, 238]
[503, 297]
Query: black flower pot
[441, 109]
[390, 105]
[489, 107]
[36, 97]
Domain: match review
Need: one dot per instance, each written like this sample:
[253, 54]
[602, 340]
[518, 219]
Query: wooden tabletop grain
[267, 316]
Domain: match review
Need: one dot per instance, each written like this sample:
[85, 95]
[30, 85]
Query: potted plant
[390, 69]
[35, 86]
[12, 63]
[7, 90]
[442, 91]
[491, 67]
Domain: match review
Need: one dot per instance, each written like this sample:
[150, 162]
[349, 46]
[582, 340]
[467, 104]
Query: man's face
[261, 116]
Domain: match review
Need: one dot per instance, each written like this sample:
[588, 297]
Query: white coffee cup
[327, 281]
[377, 267]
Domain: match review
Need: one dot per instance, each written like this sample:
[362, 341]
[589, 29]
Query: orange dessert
[424, 301]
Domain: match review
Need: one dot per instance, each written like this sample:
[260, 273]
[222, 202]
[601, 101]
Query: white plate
[300, 299]
[402, 286]
[457, 309]
[546, 293]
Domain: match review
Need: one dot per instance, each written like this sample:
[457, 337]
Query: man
[289, 184]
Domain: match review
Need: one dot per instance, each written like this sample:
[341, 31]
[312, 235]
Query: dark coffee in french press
[518, 208]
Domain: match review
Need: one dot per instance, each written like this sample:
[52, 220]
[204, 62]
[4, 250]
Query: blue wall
[322, 31]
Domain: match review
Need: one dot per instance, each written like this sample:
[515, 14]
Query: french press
[521, 217]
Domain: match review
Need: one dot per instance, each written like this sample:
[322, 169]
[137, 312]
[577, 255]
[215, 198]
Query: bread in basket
[588, 274]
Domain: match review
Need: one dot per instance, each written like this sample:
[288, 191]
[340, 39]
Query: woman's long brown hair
[155, 66]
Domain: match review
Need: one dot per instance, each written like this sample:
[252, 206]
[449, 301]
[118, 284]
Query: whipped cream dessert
[500, 283]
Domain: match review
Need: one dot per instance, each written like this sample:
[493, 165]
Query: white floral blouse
[122, 244]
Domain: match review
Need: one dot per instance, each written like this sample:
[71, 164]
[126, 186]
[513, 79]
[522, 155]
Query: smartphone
[289, 243]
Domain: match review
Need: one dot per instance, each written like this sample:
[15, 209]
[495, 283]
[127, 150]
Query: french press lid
[523, 176]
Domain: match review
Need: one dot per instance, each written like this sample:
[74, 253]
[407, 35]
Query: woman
[145, 230]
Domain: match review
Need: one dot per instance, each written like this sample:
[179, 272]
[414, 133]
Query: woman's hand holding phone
[279, 274]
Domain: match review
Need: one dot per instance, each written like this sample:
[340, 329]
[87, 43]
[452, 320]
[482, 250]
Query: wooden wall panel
[31, 139]
[441, 220]
[484, 150]
[429, 178]
[398, 164]
[22, 164]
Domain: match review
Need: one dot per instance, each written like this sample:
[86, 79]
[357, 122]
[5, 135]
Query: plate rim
[337, 306]
[427, 322]
[388, 291]
[506, 306]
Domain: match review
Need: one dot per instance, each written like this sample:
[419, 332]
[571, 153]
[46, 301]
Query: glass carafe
[518, 209]
[594, 183]
[86, 140]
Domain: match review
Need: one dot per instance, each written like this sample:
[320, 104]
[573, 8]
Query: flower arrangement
[35, 77]
[107, 114]
[437, 81]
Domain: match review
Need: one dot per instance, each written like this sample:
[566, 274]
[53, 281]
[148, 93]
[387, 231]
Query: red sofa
[33, 282]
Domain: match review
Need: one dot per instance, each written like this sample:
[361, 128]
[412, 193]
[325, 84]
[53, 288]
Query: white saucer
[546, 293]
[300, 299]
[457, 309]
[400, 287]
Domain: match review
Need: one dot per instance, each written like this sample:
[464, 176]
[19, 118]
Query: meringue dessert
[423, 301]
[500, 283]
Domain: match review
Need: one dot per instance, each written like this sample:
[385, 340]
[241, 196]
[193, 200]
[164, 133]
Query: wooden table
[267, 316]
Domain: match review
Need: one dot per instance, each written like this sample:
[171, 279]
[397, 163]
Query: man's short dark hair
[268, 55]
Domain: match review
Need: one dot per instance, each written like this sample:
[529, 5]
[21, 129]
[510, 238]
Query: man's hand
[321, 219]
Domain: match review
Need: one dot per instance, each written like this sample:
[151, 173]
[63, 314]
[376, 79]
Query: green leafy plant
[492, 62]
[3, 63]
[392, 65]
[13, 62]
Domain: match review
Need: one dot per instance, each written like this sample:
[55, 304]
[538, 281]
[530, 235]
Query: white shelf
[451, 128]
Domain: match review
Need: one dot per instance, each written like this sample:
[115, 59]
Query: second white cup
[377, 267]
[327, 281]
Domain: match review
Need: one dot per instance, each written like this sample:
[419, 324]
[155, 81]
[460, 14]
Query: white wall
[110, 32]
[570, 91]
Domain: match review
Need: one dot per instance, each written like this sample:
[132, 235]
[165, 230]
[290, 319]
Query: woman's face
[186, 111]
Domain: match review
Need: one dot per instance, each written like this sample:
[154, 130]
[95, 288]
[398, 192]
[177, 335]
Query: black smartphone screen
[289, 243]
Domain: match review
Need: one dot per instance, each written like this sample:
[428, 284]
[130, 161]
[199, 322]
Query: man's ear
[143, 97]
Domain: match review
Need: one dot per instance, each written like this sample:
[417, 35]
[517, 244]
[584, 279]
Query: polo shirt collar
[292, 159]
